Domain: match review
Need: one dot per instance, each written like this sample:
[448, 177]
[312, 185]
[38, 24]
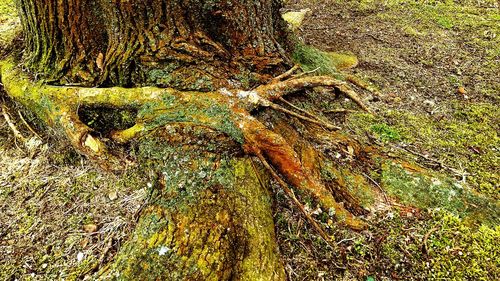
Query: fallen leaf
[100, 61]
[90, 228]
[113, 196]
[461, 90]
[80, 256]
[350, 149]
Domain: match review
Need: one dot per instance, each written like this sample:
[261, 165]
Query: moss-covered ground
[435, 64]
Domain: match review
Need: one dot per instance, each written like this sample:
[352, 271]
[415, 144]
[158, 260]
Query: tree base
[226, 111]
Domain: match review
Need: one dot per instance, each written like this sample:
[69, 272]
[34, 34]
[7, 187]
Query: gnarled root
[276, 90]
[225, 110]
[261, 142]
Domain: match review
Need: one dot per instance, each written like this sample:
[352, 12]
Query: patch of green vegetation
[460, 252]
[466, 140]
[435, 246]
[312, 59]
[386, 132]
[9, 22]
[434, 191]
[7, 10]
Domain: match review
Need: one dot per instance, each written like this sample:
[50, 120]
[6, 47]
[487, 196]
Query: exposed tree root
[226, 110]
[290, 194]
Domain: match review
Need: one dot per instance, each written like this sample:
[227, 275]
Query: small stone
[163, 250]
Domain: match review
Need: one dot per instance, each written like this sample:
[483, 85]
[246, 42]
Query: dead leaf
[113, 196]
[100, 61]
[350, 149]
[90, 228]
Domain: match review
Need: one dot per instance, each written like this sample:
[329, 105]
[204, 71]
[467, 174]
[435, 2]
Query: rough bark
[186, 44]
[210, 216]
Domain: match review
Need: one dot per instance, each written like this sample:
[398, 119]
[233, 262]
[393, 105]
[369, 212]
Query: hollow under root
[225, 110]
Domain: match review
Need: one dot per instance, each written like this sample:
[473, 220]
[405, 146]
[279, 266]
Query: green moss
[386, 132]
[10, 25]
[460, 252]
[435, 246]
[311, 59]
[466, 140]
[435, 191]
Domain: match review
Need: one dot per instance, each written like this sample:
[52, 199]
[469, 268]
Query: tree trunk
[209, 216]
[185, 44]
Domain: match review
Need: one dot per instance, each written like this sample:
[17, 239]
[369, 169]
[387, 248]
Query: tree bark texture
[210, 215]
[184, 44]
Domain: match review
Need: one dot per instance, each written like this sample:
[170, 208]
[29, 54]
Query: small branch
[378, 186]
[28, 126]
[426, 237]
[287, 74]
[362, 84]
[305, 118]
[306, 73]
[344, 111]
[12, 126]
[297, 108]
[462, 174]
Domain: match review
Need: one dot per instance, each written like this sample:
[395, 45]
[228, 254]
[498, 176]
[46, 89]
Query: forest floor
[435, 65]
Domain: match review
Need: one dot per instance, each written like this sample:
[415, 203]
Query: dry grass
[59, 216]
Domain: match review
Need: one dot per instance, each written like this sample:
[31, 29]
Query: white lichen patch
[226, 92]
[251, 96]
[163, 250]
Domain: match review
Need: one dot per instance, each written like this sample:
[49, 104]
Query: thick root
[225, 110]
[261, 141]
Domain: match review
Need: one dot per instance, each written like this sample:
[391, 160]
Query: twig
[299, 205]
[345, 111]
[305, 118]
[12, 126]
[437, 162]
[426, 237]
[346, 240]
[362, 84]
[28, 126]
[297, 108]
[378, 186]
[287, 74]
[306, 73]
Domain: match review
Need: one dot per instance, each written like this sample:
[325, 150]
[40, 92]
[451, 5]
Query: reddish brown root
[261, 141]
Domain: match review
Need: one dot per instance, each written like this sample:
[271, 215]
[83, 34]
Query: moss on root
[209, 217]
